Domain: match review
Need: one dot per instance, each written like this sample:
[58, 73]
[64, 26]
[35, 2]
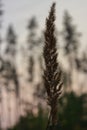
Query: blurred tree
[70, 35]
[32, 36]
[12, 75]
[34, 42]
[11, 53]
[32, 27]
[71, 45]
[11, 44]
[81, 63]
[31, 68]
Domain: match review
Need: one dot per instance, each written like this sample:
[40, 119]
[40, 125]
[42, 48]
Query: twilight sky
[18, 12]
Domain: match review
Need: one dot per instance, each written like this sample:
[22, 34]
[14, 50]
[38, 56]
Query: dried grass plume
[52, 72]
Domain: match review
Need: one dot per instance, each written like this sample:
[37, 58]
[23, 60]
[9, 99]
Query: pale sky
[19, 12]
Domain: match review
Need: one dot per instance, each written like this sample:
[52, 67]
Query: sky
[18, 12]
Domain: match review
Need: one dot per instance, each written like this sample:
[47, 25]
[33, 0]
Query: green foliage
[70, 116]
[31, 122]
[72, 111]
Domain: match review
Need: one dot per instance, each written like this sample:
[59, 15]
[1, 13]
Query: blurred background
[23, 103]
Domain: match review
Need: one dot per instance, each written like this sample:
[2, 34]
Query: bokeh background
[23, 103]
